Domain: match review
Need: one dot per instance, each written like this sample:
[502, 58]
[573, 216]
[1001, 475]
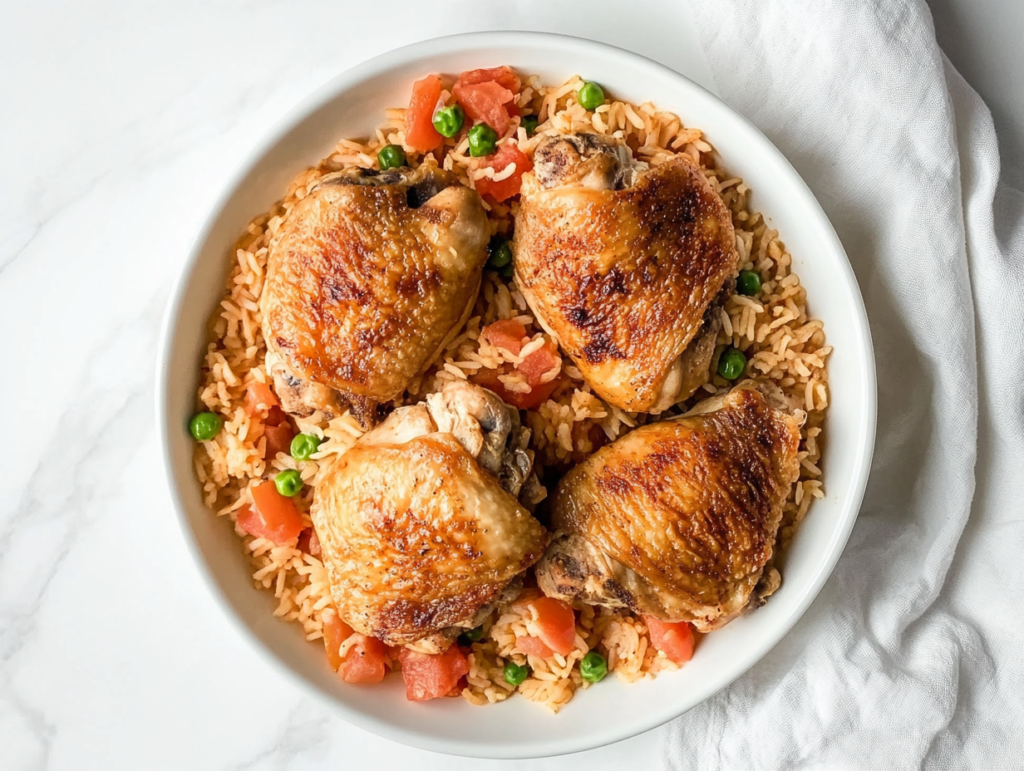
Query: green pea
[748, 283]
[304, 445]
[471, 636]
[529, 122]
[288, 483]
[501, 255]
[205, 425]
[590, 96]
[515, 674]
[390, 157]
[594, 667]
[731, 363]
[507, 272]
[448, 120]
[483, 140]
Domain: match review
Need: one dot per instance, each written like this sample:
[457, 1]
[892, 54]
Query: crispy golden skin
[625, 278]
[418, 539]
[363, 288]
[678, 518]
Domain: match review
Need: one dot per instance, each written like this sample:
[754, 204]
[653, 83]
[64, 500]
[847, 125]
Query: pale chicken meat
[678, 519]
[626, 266]
[370, 275]
[419, 525]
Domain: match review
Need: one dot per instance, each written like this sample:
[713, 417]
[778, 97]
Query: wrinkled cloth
[911, 656]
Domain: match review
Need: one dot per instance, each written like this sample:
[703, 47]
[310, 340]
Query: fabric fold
[909, 656]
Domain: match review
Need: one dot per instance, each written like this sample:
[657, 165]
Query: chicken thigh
[419, 536]
[626, 266]
[678, 519]
[368, 278]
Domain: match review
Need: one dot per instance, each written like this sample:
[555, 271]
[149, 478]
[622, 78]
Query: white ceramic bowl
[350, 105]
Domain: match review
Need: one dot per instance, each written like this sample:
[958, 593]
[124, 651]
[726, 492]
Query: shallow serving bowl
[351, 105]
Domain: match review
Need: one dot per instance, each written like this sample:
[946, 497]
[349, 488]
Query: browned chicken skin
[369, 276]
[419, 537]
[677, 519]
[625, 266]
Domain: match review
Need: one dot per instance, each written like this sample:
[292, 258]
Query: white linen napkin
[911, 656]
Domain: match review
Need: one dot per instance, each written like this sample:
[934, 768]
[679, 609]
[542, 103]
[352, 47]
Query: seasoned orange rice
[783, 344]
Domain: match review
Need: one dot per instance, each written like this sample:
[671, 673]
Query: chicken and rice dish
[512, 395]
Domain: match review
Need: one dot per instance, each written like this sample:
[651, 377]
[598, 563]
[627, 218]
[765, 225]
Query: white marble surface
[119, 124]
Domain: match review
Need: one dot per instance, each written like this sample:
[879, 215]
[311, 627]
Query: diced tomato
[674, 639]
[504, 76]
[506, 333]
[533, 646]
[556, 624]
[275, 417]
[309, 543]
[505, 188]
[336, 632]
[488, 378]
[431, 676]
[458, 688]
[275, 517]
[540, 363]
[259, 399]
[485, 103]
[364, 661]
[279, 439]
[487, 95]
[420, 133]
[249, 521]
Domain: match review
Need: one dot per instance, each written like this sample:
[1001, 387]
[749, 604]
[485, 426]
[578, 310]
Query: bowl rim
[295, 116]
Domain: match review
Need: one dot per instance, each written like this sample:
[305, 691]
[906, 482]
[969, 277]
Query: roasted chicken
[368, 278]
[626, 266]
[678, 519]
[419, 526]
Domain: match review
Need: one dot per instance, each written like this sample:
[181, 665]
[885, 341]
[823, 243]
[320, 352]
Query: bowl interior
[350, 106]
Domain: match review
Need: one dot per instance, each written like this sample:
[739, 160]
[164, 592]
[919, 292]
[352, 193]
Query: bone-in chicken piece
[626, 266]
[419, 537]
[677, 519]
[368, 278]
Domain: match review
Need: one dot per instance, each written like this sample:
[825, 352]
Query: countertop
[121, 122]
[119, 130]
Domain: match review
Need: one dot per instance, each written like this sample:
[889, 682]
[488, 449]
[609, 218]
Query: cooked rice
[782, 344]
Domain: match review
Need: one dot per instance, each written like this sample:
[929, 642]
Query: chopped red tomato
[429, 677]
[488, 378]
[506, 333]
[364, 661]
[533, 646]
[540, 363]
[504, 189]
[504, 76]
[534, 366]
[336, 632]
[674, 639]
[259, 399]
[309, 543]
[556, 624]
[485, 103]
[486, 95]
[420, 133]
[279, 439]
[274, 517]
[275, 417]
